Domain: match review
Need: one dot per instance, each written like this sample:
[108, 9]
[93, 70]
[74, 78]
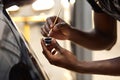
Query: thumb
[59, 26]
[57, 46]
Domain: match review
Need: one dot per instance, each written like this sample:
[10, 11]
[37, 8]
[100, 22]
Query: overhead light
[43, 5]
[13, 8]
[65, 3]
[72, 1]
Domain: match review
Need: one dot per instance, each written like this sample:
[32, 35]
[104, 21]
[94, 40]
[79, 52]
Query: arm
[64, 58]
[103, 36]
[104, 67]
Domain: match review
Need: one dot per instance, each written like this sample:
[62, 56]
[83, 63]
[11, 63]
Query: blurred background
[78, 13]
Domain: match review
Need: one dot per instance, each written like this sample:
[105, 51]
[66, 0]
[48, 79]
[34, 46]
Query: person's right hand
[60, 30]
[59, 56]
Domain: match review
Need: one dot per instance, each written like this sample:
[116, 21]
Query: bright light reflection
[13, 8]
[68, 75]
[65, 3]
[72, 1]
[43, 4]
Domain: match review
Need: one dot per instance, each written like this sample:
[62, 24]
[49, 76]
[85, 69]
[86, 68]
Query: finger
[59, 26]
[60, 20]
[50, 48]
[57, 29]
[57, 46]
[54, 30]
[53, 51]
[51, 20]
[43, 31]
[47, 27]
[46, 52]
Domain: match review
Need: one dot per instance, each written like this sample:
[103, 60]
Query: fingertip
[42, 43]
[51, 26]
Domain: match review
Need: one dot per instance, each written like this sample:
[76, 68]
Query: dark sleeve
[95, 6]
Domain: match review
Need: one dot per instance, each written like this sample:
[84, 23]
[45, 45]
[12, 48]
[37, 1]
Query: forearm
[91, 40]
[105, 67]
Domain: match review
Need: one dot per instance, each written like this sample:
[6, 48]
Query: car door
[17, 60]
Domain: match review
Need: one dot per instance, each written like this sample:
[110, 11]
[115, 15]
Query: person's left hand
[59, 56]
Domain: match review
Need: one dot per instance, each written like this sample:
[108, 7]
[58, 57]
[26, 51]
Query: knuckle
[48, 18]
[52, 61]
[43, 52]
[52, 17]
[62, 23]
[44, 34]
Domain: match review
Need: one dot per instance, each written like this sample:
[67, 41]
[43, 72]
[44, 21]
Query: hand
[59, 56]
[61, 30]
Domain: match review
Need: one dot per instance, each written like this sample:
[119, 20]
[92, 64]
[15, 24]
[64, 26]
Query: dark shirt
[111, 7]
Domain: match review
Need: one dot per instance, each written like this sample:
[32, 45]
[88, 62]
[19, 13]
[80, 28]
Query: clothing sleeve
[95, 6]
